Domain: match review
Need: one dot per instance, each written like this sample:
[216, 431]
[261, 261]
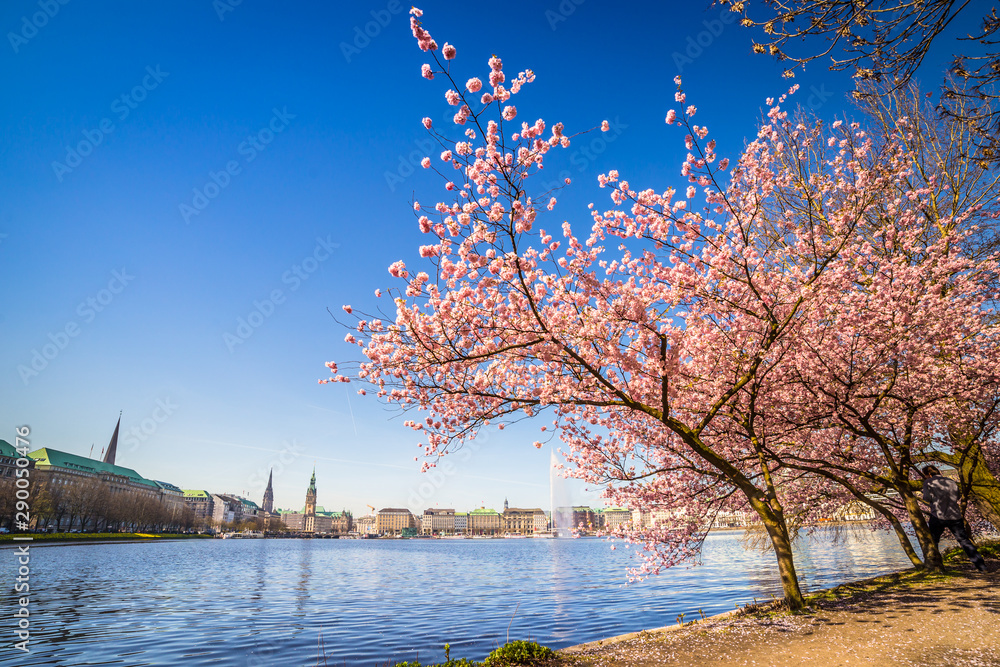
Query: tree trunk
[904, 542]
[897, 527]
[777, 530]
[932, 557]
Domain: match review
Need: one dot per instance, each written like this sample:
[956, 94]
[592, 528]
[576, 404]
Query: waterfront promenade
[904, 619]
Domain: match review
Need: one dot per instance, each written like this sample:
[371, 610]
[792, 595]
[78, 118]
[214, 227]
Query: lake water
[269, 603]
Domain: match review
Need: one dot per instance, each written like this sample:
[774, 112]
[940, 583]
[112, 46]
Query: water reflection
[264, 602]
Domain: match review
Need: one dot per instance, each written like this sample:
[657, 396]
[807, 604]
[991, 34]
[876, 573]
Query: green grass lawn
[48, 537]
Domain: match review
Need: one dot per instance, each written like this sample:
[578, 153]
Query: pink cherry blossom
[473, 85]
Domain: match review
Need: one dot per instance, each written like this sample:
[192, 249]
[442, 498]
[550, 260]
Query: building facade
[8, 461]
[172, 498]
[365, 525]
[226, 509]
[201, 504]
[484, 521]
[314, 518]
[294, 521]
[394, 520]
[519, 521]
[438, 522]
[616, 518]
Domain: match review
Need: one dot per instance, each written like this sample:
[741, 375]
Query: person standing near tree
[942, 497]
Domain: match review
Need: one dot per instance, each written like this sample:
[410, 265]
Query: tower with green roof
[310, 510]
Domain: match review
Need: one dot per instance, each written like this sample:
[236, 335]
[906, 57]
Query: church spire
[109, 456]
[268, 505]
[312, 482]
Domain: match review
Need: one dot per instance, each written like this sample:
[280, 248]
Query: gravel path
[904, 619]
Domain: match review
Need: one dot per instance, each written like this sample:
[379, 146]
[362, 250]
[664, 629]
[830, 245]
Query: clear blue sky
[308, 125]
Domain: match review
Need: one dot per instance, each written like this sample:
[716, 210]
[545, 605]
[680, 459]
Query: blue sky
[169, 169]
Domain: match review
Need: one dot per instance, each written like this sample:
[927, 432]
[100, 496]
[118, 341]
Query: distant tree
[8, 502]
[49, 500]
[886, 41]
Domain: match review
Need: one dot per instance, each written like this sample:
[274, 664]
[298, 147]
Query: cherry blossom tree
[662, 342]
[886, 41]
[888, 362]
[903, 368]
[939, 146]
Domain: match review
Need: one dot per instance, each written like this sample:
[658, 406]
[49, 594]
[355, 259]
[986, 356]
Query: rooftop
[7, 449]
[48, 457]
[168, 486]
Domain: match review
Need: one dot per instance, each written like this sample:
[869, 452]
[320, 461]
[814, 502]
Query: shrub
[519, 653]
[512, 654]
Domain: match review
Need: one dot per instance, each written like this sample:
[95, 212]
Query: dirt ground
[905, 619]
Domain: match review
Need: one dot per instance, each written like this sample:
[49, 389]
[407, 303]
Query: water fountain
[560, 508]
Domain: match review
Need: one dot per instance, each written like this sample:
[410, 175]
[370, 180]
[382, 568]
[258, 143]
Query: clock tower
[310, 518]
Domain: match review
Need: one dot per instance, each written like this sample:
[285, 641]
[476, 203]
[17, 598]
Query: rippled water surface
[271, 602]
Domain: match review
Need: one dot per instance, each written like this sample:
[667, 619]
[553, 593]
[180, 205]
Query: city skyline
[428, 492]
